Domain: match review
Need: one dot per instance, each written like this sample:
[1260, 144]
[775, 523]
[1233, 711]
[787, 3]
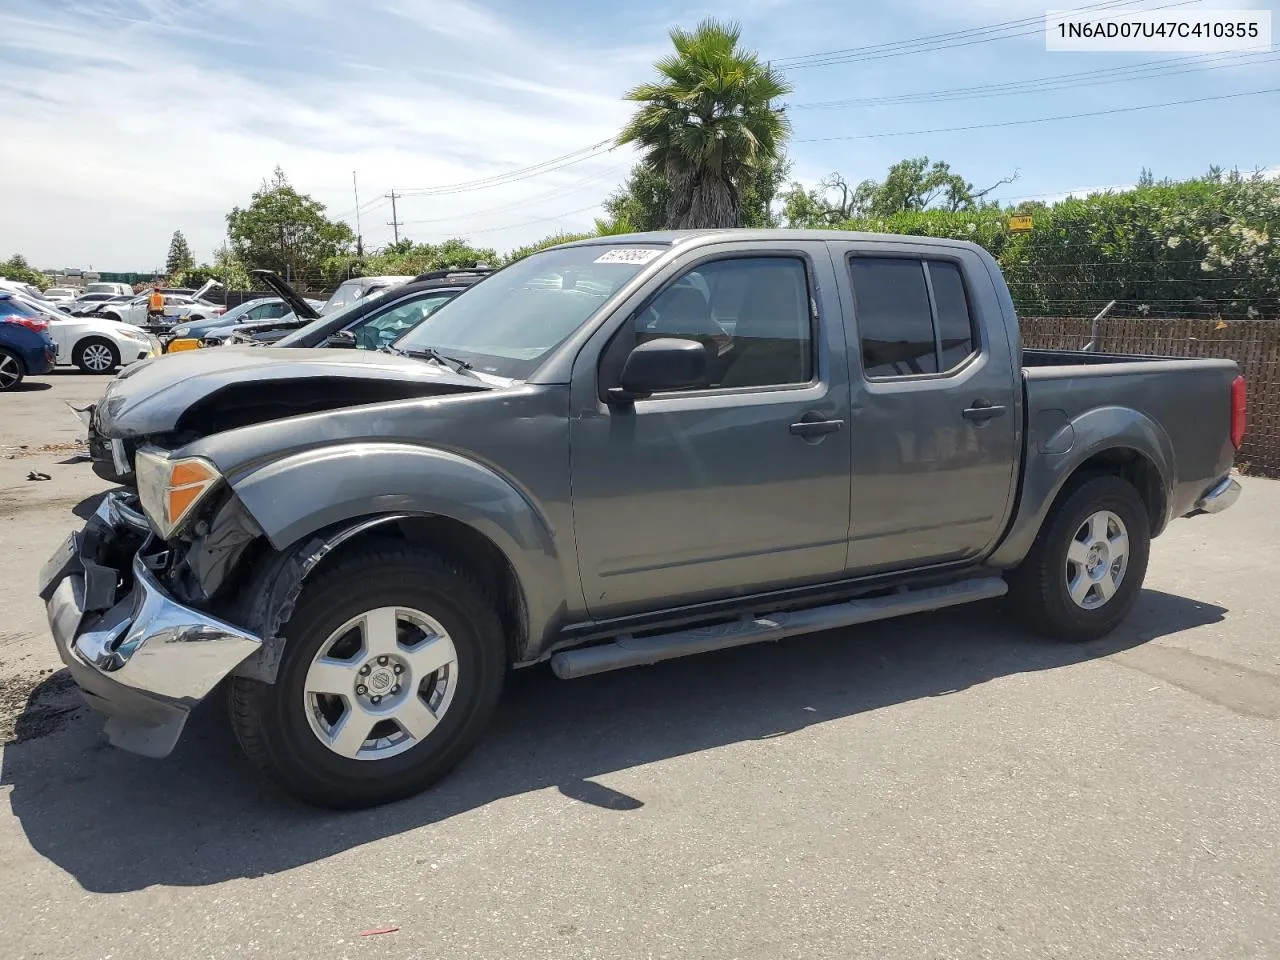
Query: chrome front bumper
[138, 655]
[1218, 497]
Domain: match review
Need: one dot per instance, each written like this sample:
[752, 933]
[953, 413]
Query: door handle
[815, 428]
[983, 410]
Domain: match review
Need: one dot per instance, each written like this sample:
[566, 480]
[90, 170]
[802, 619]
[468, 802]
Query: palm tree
[708, 124]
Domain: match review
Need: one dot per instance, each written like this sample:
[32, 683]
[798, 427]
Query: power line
[1087, 78]
[522, 173]
[918, 46]
[527, 223]
[788, 62]
[572, 187]
[1018, 123]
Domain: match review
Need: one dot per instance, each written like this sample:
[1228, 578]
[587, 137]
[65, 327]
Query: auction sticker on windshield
[629, 255]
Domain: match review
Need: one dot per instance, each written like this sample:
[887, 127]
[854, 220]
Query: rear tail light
[1239, 411]
[31, 323]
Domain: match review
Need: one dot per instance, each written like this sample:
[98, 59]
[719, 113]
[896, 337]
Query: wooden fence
[1253, 344]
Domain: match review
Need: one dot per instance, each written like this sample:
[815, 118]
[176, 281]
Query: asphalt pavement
[941, 786]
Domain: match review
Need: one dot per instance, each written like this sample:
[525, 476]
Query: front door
[735, 487]
[936, 406]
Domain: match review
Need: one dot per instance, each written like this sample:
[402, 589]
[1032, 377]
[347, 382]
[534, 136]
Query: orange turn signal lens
[187, 472]
[189, 480]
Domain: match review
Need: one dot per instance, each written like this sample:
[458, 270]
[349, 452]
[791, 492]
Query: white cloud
[127, 122]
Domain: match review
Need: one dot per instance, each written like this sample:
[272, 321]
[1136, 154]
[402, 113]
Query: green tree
[180, 257]
[831, 202]
[286, 231]
[640, 203]
[227, 269]
[407, 258]
[17, 269]
[910, 185]
[708, 124]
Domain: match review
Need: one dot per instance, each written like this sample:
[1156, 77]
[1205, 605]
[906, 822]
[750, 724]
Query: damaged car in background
[610, 453]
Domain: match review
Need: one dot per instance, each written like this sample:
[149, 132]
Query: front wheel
[1083, 574]
[393, 665]
[95, 355]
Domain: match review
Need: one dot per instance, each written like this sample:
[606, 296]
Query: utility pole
[394, 223]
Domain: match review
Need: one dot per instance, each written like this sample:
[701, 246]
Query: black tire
[111, 316]
[1039, 586]
[271, 723]
[91, 346]
[11, 367]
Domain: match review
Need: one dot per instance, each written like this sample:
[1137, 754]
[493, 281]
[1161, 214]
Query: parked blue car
[25, 344]
[263, 308]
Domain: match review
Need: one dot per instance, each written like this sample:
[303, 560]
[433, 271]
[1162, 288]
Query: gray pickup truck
[611, 453]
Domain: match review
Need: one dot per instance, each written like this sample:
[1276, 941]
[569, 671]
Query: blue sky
[127, 119]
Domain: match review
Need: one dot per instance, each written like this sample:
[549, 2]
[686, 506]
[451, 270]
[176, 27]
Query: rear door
[936, 405]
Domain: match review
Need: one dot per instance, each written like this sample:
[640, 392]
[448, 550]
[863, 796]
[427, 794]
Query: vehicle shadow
[32, 386]
[118, 823]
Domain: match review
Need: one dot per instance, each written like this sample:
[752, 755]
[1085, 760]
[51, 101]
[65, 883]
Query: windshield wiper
[431, 353]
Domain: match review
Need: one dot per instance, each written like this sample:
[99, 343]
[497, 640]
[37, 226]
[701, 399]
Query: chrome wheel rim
[97, 356]
[9, 372]
[381, 683]
[1097, 559]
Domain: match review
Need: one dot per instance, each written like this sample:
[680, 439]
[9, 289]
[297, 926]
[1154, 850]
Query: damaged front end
[122, 616]
[175, 400]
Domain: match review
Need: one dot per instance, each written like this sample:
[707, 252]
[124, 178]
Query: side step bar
[630, 651]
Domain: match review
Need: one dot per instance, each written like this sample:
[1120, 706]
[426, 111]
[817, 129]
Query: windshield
[332, 320]
[346, 295]
[508, 322]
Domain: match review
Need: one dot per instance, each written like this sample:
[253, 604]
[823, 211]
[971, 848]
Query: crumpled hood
[151, 396]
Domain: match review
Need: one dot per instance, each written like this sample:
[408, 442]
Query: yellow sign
[178, 346]
[1019, 224]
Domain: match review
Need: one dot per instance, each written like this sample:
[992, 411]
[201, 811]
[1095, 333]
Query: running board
[630, 651]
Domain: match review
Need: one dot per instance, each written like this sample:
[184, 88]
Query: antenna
[356, 190]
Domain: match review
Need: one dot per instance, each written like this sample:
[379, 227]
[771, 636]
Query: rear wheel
[96, 355]
[1083, 574]
[12, 370]
[393, 665]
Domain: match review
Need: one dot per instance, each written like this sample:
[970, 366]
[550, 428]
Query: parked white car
[21, 289]
[61, 294]
[176, 307]
[115, 289]
[359, 288]
[91, 343]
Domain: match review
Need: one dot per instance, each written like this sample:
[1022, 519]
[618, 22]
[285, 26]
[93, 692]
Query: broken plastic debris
[378, 931]
[34, 475]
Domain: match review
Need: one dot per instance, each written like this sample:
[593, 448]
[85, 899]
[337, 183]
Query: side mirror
[343, 338]
[668, 363]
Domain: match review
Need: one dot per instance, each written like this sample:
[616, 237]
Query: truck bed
[1077, 400]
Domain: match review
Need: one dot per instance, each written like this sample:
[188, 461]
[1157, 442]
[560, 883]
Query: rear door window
[895, 324]
[903, 331]
[955, 328]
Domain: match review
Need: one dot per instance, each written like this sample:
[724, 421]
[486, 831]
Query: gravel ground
[936, 787]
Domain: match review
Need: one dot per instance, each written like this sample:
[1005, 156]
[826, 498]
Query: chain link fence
[1253, 344]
